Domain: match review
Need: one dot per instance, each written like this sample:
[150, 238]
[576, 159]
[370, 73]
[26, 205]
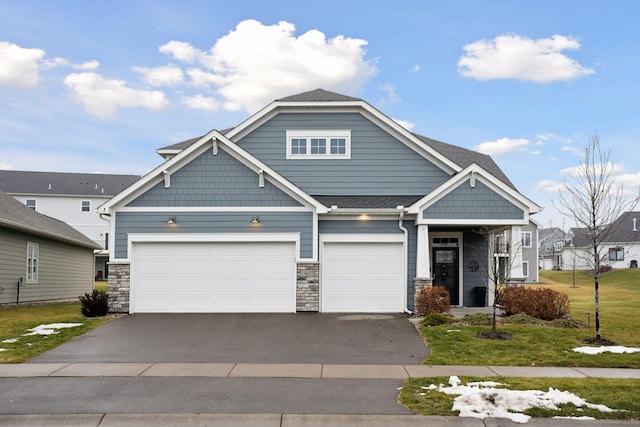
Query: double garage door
[181, 277]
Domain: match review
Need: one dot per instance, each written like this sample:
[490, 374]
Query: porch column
[516, 253]
[423, 263]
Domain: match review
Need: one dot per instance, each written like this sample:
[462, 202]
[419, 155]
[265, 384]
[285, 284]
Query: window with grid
[33, 253]
[318, 144]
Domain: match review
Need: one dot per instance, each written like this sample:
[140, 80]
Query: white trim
[216, 209]
[361, 238]
[327, 135]
[459, 235]
[530, 239]
[210, 238]
[525, 275]
[32, 274]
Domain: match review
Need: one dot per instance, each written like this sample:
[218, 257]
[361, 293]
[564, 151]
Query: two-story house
[72, 198]
[551, 245]
[317, 202]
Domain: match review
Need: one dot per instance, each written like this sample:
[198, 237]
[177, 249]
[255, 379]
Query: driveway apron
[384, 339]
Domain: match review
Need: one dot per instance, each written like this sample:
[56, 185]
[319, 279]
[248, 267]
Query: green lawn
[16, 321]
[545, 346]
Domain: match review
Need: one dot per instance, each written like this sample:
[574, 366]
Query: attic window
[31, 204]
[318, 144]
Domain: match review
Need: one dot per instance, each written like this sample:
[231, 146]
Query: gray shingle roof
[15, 215]
[622, 230]
[367, 202]
[318, 95]
[79, 184]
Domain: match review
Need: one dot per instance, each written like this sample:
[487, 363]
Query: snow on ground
[50, 329]
[10, 340]
[3, 349]
[604, 349]
[485, 400]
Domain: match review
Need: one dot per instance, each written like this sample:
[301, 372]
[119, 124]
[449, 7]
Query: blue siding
[211, 180]
[214, 222]
[379, 164]
[466, 202]
[475, 249]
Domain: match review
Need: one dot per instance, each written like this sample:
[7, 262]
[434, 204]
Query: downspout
[406, 250]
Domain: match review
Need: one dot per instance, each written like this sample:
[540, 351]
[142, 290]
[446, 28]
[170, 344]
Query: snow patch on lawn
[10, 340]
[4, 349]
[603, 349]
[484, 400]
[50, 329]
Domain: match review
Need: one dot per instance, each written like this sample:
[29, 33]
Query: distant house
[526, 250]
[41, 258]
[72, 198]
[530, 252]
[318, 202]
[620, 245]
[550, 248]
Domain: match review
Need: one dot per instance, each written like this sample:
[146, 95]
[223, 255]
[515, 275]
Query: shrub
[433, 299]
[435, 319]
[94, 304]
[541, 303]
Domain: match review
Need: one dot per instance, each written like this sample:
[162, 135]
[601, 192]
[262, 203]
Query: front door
[445, 271]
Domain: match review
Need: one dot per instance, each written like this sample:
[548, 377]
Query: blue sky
[98, 86]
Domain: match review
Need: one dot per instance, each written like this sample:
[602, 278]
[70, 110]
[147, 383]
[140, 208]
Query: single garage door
[213, 277]
[365, 277]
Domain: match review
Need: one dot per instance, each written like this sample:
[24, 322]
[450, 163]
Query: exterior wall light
[172, 219]
[255, 220]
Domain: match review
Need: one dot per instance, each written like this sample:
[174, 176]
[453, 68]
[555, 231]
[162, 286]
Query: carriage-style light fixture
[255, 220]
[172, 219]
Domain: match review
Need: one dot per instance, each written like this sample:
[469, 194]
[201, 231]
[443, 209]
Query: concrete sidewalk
[298, 370]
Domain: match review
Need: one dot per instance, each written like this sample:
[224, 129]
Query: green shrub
[94, 304]
[541, 303]
[432, 299]
[435, 319]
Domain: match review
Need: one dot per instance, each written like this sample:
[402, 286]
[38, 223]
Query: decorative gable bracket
[215, 146]
[167, 178]
[261, 178]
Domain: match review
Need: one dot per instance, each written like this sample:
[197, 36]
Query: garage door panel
[362, 277]
[213, 277]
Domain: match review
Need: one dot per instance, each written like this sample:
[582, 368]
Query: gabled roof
[318, 95]
[57, 183]
[212, 140]
[579, 237]
[625, 229]
[15, 215]
[367, 202]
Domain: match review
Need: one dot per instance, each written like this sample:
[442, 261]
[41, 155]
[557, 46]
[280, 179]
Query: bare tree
[594, 201]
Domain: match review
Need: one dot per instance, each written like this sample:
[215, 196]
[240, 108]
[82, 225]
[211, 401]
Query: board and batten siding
[214, 222]
[361, 226]
[379, 163]
[214, 180]
[65, 271]
[479, 202]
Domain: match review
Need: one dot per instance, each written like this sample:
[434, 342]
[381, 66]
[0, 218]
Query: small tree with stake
[594, 201]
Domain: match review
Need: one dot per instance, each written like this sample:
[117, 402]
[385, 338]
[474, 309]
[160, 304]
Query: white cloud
[5, 166]
[201, 102]
[166, 75]
[573, 150]
[87, 66]
[415, 68]
[102, 97]
[549, 186]
[503, 146]
[536, 152]
[19, 66]
[515, 57]
[390, 97]
[255, 63]
[404, 123]
[614, 169]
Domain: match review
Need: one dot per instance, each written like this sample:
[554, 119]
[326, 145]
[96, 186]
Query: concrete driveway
[383, 339]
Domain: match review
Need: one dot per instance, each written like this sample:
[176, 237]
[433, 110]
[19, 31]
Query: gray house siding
[530, 255]
[64, 271]
[214, 222]
[475, 249]
[214, 180]
[479, 202]
[379, 164]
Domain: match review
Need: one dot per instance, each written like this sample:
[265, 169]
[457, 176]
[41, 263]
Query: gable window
[31, 203]
[526, 239]
[318, 144]
[86, 206]
[33, 252]
[616, 254]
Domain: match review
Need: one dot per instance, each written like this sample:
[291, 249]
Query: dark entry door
[445, 271]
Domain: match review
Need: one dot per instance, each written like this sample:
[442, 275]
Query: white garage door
[213, 277]
[364, 277]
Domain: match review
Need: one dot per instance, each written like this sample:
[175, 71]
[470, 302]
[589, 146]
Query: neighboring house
[530, 252]
[41, 258]
[318, 202]
[551, 245]
[507, 250]
[620, 245]
[72, 198]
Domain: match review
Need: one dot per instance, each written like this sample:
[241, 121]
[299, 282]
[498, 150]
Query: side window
[33, 261]
[31, 203]
[86, 206]
[616, 254]
[526, 239]
[525, 268]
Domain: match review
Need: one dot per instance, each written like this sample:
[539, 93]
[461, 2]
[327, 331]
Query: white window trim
[525, 268]
[82, 206]
[35, 204]
[530, 245]
[33, 253]
[313, 134]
